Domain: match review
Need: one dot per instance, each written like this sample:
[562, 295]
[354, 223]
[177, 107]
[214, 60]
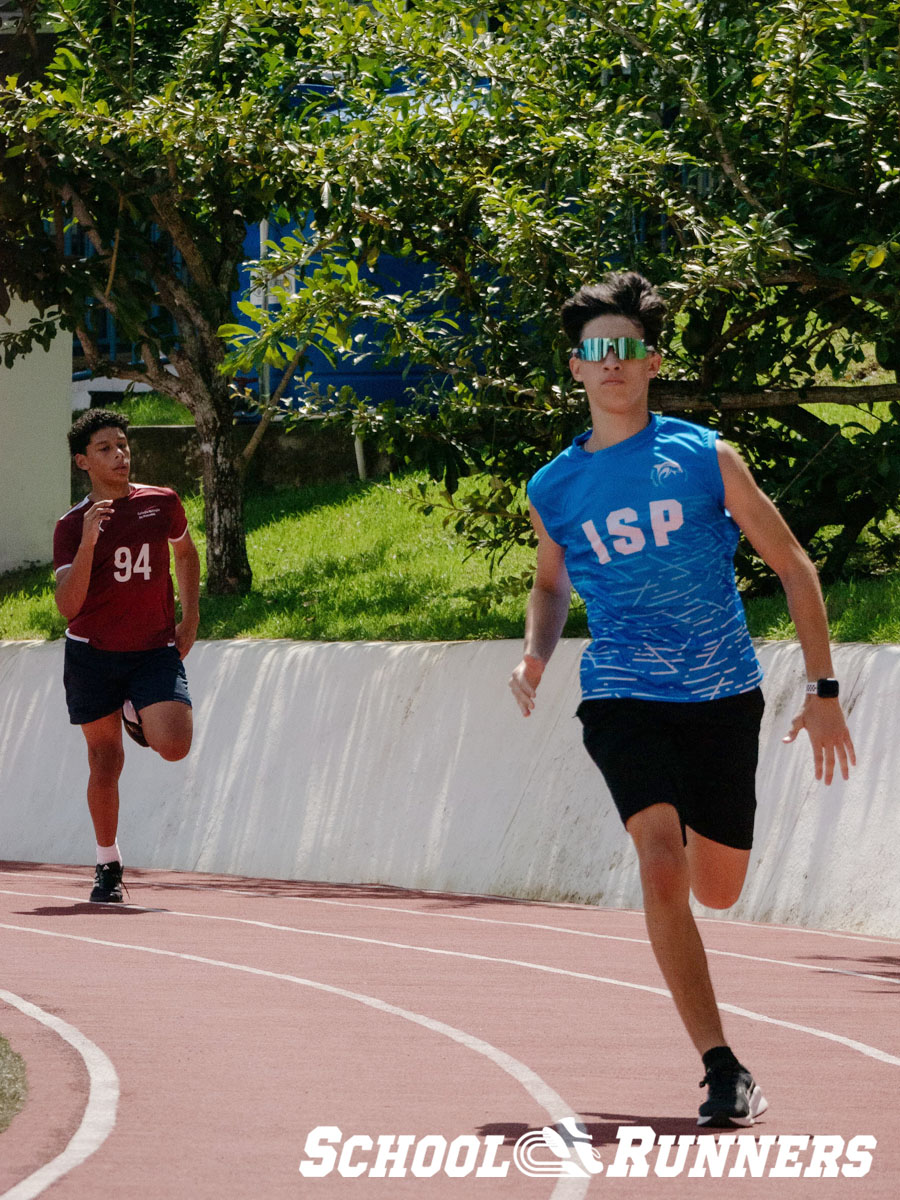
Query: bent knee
[173, 749]
[717, 894]
[169, 730]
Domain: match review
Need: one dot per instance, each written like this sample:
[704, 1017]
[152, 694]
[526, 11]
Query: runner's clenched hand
[99, 512]
[524, 681]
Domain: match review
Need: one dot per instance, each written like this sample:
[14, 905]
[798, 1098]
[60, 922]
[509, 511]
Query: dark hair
[84, 428]
[627, 295]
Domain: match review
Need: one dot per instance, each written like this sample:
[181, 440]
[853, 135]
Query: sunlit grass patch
[13, 1083]
[149, 408]
[358, 561]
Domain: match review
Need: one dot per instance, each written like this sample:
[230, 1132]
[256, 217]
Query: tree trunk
[227, 566]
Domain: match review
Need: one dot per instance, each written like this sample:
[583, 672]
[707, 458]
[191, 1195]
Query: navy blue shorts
[98, 682]
[700, 757]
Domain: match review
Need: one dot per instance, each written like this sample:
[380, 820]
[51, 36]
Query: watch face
[827, 688]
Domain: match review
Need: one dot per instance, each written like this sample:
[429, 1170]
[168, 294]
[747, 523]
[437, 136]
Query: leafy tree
[742, 154]
[137, 143]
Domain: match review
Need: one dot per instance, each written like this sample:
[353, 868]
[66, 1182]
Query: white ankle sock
[108, 854]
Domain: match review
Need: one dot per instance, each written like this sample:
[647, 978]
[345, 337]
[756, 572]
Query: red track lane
[241, 1014]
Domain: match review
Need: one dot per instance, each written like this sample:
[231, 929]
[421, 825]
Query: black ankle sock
[721, 1057]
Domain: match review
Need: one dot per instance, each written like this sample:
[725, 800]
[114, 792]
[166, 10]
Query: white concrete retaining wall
[410, 765]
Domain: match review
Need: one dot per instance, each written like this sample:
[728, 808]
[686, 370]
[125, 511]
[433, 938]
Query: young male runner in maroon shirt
[123, 648]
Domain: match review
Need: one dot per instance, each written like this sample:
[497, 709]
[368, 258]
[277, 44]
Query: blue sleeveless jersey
[649, 547]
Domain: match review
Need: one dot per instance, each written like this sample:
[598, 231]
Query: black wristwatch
[828, 689]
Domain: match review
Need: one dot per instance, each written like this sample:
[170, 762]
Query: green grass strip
[358, 562]
[13, 1083]
[149, 408]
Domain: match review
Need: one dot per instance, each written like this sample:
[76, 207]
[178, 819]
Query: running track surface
[184, 1045]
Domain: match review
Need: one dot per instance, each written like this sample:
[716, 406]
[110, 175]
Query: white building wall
[35, 414]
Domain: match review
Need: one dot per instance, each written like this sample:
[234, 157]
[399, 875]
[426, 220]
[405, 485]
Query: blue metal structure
[368, 380]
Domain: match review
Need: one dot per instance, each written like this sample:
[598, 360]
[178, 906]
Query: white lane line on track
[99, 1115]
[540, 1091]
[605, 937]
[609, 937]
[813, 1031]
[631, 912]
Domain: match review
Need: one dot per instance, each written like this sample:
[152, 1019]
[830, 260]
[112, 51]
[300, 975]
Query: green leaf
[63, 52]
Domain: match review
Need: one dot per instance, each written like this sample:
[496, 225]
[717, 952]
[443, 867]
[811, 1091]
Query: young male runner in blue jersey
[642, 516]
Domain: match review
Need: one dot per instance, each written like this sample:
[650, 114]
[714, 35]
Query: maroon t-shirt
[130, 603]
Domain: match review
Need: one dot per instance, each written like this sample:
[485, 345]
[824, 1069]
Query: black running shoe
[107, 884]
[131, 719]
[734, 1098]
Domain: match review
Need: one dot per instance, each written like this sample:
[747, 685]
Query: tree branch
[271, 409]
[172, 291]
[174, 224]
[115, 250]
[676, 396]
[154, 374]
[82, 216]
[106, 367]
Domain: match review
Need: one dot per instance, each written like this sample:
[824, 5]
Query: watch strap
[829, 689]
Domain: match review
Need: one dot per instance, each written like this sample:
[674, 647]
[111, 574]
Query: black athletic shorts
[698, 756]
[98, 682]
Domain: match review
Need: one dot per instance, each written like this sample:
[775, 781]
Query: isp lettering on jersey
[649, 546]
[665, 517]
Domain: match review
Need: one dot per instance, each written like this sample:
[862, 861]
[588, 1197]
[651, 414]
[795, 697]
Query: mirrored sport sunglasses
[596, 349]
